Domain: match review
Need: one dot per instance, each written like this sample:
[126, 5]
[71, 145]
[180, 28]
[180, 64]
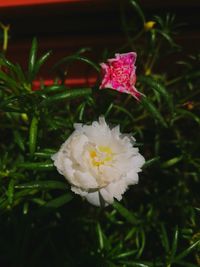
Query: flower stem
[5, 29]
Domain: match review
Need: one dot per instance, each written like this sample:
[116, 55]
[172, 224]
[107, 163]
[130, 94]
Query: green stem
[175, 80]
[151, 62]
[5, 35]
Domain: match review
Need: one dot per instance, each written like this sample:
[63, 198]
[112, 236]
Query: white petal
[106, 196]
[79, 191]
[117, 189]
[131, 177]
[98, 133]
[77, 145]
[116, 131]
[84, 180]
[68, 170]
[138, 161]
[93, 198]
[109, 173]
[54, 156]
[78, 126]
[58, 162]
[102, 121]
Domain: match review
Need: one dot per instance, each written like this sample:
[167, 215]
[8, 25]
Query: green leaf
[19, 140]
[18, 197]
[130, 217]
[45, 153]
[156, 86]
[33, 135]
[9, 82]
[48, 184]
[174, 245]
[53, 204]
[15, 69]
[79, 58]
[10, 109]
[142, 243]
[40, 62]
[184, 253]
[185, 113]
[138, 9]
[25, 192]
[54, 88]
[20, 74]
[10, 191]
[138, 264]
[36, 165]
[126, 254]
[186, 264]
[194, 74]
[59, 201]
[164, 238]
[171, 162]
[25, 208]
[150, 162]
[5, 62]
[69, 94]
[81, 110]
[159, 20]
[167, 37]
[108, 110]
[148, 105]
[32, 59]
[124, 110]
[100, 236]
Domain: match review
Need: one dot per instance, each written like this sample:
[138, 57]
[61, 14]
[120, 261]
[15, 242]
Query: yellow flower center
[101, 155]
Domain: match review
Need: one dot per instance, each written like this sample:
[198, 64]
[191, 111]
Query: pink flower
[119, 74]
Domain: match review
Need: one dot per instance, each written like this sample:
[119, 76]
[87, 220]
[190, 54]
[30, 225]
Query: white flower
[99, 162]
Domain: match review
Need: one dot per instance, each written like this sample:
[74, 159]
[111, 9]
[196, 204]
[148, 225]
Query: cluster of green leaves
[157, 223]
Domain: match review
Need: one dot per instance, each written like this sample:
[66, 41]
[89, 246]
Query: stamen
[101, 155]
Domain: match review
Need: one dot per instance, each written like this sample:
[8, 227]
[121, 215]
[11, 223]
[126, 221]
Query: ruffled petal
[93, 198]
[117, 189]
[84, 180]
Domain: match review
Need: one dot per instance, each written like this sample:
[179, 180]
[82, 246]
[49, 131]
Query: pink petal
[135, 93]
[127, 58]
[119, 74]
